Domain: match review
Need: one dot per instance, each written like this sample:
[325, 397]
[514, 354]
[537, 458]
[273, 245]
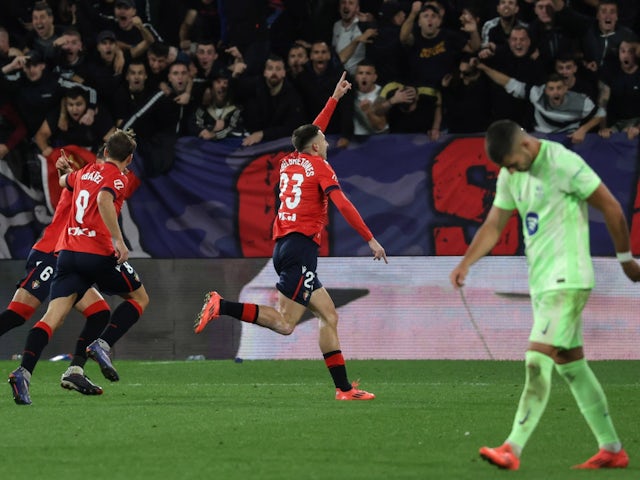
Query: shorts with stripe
[76, 272]
[295, 258]
[39, 274]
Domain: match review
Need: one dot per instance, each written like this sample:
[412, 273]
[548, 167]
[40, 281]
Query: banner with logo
[418, 197]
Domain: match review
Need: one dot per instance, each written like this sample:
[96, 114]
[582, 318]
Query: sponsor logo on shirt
[78, 232]
[531, 221]
[287, 216]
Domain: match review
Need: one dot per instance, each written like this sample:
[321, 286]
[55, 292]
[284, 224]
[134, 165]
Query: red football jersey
[53, 232]
[305, 181]
[86, 231]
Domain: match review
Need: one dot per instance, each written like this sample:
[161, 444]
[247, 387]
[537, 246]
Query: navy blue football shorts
[295, 258]
[39, 274]
[77, 272]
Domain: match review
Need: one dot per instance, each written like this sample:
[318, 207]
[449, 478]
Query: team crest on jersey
[531, 222]
[35, 285]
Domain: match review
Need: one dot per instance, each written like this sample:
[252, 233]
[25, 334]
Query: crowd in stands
[75, 70]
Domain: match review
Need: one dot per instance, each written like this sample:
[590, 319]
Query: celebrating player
[87, 256]
[307, 181]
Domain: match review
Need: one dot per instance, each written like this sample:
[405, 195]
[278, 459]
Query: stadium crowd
[74, 70]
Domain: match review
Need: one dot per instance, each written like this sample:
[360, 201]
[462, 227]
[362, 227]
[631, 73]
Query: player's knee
[330, 319]
[141, 297]
[287, 328]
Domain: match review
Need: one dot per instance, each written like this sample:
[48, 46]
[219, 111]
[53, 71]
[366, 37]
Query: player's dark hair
[120, 145]
[500, 139]
[303, 135]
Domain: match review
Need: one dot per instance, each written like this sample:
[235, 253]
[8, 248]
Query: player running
[307, 182]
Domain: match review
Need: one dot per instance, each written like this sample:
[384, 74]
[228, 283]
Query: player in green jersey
[551, 188]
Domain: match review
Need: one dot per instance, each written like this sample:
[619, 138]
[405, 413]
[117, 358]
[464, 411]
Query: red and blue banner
[419, 198]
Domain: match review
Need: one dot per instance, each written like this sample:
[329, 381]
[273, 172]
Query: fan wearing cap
[105, 67]
[36, 90]
[129, 31]
[433, 50]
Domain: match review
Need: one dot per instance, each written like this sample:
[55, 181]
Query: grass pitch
[278, 420]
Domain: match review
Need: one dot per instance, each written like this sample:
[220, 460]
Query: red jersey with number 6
[86, 231]
[305, 181]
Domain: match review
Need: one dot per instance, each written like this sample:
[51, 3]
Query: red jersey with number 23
[86, 231]
[305, 181]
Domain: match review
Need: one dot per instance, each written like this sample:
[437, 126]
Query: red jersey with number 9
[86, 231]
[305, 181]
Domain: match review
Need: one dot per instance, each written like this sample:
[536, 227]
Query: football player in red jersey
[33, 289]
[307, 182]
[87, 256]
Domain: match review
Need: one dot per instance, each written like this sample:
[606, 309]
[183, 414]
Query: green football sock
[533, 400]
[591, 400]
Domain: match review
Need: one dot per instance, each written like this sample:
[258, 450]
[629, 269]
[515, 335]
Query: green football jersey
[550, 198]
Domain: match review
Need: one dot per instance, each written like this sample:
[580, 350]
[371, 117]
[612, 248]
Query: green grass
[278, 420]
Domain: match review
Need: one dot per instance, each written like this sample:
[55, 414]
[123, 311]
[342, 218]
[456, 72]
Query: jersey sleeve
[324, 117]
[504, 199]
[576, 176]
[350, 214]
[70, 179]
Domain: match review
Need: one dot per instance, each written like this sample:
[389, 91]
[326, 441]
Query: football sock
[592, 402]
[15, 315]
[37, 339]
[97, 317]
[534, 398]
[122, 319]
[335, 363]
[247, 312]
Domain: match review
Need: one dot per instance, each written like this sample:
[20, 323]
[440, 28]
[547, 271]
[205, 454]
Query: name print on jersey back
[304, 183]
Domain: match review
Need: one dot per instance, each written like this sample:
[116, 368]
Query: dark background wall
[165, 331]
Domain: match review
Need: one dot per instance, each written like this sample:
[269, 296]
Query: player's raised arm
[342, 87]
[323, 118]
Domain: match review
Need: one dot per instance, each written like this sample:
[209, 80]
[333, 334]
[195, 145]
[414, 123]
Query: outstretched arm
[498, 77]
[483, 241]
[342, 87]
[352, 216]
